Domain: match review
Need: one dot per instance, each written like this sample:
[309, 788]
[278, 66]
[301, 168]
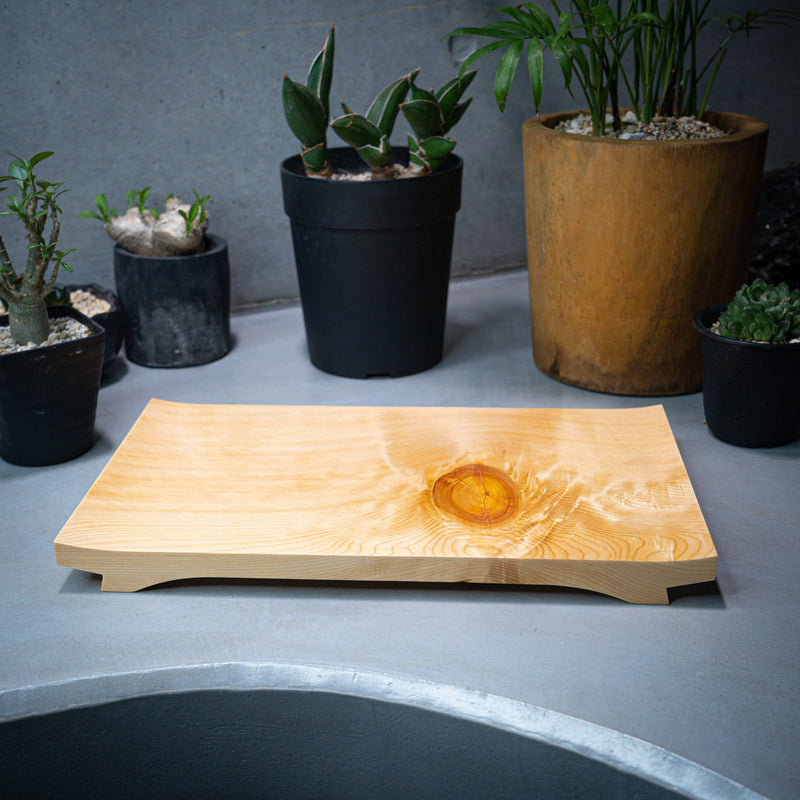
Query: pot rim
[747, 127]
[218, 244]
[710, 314]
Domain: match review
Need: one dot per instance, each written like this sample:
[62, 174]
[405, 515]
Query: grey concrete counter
[713, 677]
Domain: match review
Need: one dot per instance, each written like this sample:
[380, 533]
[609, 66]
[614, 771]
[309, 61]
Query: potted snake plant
[372, 225]
[51, 357]
[172, 278]
[634, 226]
[751, 365]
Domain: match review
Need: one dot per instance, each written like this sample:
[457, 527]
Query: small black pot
[112, 321]
[177, 308]
[373, 264]
[751, 390]
[48, 397]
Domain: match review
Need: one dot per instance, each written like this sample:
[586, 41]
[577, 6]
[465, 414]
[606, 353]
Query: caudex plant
[35, 204]
[761, 312]
[178, 230]
[430, 114]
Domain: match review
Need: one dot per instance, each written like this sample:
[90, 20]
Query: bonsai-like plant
[35, 204]
[430, 115]
[179, 230]
[646, 47]
[761, 312]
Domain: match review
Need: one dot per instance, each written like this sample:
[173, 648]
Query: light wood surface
[593, 499]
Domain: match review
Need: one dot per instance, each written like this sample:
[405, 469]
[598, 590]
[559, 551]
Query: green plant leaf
[536, 71]
[38, 158]
[506, 70]
[384, 108]
[304, 113]
[455, 115]
[357, 130]
[424, 117]
[320, 75]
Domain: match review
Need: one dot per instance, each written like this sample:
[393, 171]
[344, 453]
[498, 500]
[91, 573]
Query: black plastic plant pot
[48, 397]
[177, 309]
[112, 321]
[750, 389]
[373, 264]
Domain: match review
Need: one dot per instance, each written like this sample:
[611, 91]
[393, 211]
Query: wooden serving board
[594, 499]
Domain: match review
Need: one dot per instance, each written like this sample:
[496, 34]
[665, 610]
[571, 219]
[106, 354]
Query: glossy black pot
[751, 390]
[373, 264]
[177, 309]
[48, 397]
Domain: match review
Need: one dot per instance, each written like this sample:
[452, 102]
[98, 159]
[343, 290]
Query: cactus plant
[430, 114]
[24, 293]
[179, 230]
[761, 312]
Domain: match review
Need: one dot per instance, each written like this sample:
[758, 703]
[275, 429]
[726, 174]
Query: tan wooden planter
[626, 240]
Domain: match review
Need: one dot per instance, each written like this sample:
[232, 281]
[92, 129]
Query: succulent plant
[24, 293]
[431, 115]
[369, 134]
[761, 312]
[177, 231]
[306, 109]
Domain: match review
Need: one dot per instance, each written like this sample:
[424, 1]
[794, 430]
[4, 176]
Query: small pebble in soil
[62, 329]
[658, 128]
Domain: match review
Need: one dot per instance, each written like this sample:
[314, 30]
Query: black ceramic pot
[48, 397]
[751, 390]
[177, 309]
[112, 321]
[373, 264]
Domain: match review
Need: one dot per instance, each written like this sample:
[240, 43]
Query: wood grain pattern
[595, 499]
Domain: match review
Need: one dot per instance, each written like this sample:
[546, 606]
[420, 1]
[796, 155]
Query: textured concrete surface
[712, 677]
[188, 95]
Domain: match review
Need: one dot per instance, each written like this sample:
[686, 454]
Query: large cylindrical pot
[373, 265]
[48, 396]
[751, 390]
[177, 308]
[626, 240]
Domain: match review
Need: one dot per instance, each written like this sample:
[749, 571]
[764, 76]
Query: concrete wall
[188, 95]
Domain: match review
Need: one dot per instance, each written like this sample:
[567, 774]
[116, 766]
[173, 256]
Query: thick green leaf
[304, 113]
[357, 130]
[437, 147]
[452, 91]
[456, 114]
[377, 156]
[320, 75]
[506, 70]
[424, 117]
[384, 108]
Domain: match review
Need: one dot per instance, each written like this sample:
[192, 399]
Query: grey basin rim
[621, 751]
